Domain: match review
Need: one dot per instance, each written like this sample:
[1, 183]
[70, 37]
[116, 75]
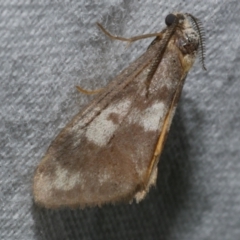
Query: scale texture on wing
[109, 152]
[104, 153]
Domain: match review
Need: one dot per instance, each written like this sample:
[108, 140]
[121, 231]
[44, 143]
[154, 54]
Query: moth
[109, 152]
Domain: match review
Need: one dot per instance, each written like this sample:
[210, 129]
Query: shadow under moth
[110, 150]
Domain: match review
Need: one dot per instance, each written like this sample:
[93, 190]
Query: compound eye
[169, 20]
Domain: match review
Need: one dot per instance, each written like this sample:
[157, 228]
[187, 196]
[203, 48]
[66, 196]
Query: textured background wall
[48, 47]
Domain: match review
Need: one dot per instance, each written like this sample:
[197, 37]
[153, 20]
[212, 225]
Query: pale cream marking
[104, 176]
[42, 188]
[102, 128]
[153, 177]
[65, 180]
[78, 129]
[139, 196]
[150, 119]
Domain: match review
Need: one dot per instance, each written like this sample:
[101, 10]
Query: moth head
[189, 34]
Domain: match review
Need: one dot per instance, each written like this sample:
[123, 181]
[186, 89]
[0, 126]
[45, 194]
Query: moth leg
[132, 39]
[89, 92]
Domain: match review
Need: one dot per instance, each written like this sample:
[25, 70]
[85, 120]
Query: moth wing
[109, 151]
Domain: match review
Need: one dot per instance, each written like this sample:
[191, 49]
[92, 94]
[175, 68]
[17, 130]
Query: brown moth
[109, 152]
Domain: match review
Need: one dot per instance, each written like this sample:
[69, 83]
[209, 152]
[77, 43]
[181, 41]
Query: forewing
[107, 153]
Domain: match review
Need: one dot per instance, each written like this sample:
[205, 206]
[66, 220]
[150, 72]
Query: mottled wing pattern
[106, 154]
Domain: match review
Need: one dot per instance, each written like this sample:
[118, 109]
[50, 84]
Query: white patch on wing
[65, 180]
[102, 127]
[151, 118]
[78, 128]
